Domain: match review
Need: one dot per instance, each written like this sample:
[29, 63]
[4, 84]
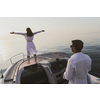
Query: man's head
[77, 46]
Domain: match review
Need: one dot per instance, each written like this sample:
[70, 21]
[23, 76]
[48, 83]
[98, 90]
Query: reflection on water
[57, 43]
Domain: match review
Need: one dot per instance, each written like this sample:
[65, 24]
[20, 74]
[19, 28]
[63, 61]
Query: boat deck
[12, 73]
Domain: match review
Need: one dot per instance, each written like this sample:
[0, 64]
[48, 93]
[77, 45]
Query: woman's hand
[11, 32]
[43, 30]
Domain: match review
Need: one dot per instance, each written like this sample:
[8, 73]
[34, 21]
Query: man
[78, 65]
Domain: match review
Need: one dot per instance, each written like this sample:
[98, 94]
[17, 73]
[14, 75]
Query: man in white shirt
[78, 65]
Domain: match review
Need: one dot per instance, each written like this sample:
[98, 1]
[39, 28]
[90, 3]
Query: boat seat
[34, 74]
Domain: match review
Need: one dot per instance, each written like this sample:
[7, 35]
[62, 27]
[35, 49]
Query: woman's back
[29, 38]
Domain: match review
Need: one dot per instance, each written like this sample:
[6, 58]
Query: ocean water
[14, 44]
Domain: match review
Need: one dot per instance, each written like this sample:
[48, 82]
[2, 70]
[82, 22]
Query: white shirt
[77, 68]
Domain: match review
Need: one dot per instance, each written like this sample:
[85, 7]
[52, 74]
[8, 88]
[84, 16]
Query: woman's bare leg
[35, 58]
[28, 59]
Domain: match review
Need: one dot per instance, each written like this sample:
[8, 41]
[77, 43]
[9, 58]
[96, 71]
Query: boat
[47, 69]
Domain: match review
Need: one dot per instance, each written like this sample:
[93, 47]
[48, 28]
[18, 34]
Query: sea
[15, 44]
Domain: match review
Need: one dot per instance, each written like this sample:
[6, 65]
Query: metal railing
[15, 56]
[11, 61]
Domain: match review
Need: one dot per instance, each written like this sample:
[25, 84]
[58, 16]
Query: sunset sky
[51, 25]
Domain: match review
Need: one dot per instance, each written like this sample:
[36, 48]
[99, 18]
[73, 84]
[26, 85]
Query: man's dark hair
[29, 32]
[78, 44]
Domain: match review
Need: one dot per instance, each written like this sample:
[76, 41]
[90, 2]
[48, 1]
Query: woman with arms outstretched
[29, 36]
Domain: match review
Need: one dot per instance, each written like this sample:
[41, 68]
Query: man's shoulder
[87, 56]
[73, 58]
[79, 56]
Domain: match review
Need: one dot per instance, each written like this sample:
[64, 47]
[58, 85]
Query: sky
[51, 25]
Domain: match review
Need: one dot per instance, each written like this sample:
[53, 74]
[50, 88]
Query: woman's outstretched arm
[17, 33]
[38, 32]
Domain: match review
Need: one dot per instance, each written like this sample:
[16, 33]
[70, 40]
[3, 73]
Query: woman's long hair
[29, 32]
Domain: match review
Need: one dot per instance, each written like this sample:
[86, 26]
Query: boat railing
[11, 61]
[15, 56]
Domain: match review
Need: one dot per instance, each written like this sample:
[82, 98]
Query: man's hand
[64, 69]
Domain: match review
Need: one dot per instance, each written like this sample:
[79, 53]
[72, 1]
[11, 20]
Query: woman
[29, 36]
